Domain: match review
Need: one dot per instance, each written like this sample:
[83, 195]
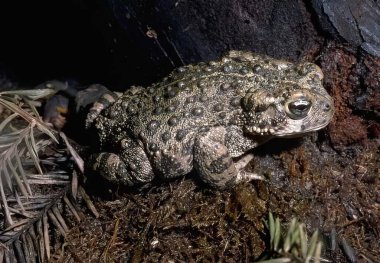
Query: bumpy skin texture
[201, 116]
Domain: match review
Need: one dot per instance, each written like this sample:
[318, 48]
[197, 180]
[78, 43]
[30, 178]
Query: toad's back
[165, 118]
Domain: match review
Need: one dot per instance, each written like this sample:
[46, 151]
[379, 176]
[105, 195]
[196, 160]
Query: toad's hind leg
[214, 163]
[133, 168]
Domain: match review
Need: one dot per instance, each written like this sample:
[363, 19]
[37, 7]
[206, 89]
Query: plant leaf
[33, 94]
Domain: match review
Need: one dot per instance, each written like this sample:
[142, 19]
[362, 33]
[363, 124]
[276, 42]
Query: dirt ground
[329, 180]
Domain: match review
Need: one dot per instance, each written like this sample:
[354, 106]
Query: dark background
[42, 40]
[121, 44]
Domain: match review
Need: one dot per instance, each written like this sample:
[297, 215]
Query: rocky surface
[356, 22]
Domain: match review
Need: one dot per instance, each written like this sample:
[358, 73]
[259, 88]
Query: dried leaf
[22, 172]
[19, 251]
[31, 105]
[2, 252]
[33, 94]
[8, 218]
[19, 202]
[33, 155]
[44, 181]
[17, 178]
[15, 225]
[46, 235]
[39, 240]
[88, 202]
[26, 249]
[55, 222]
[30, 244]
[72, 208]
[19, 160]
[33, 120]
[74, 185]
[7, 176]
[60, 218]
[78, 160]
[7, 120]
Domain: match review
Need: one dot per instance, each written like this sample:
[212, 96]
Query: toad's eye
[298, 109]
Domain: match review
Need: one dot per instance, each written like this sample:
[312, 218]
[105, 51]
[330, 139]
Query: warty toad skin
[202, 116]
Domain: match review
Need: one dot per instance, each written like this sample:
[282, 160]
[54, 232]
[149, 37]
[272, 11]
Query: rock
[355, 21]
[158, 36]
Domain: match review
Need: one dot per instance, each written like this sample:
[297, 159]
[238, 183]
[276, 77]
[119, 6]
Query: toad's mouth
[295, 134]
[289, 131]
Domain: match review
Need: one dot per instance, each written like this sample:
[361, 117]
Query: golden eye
[298, 109]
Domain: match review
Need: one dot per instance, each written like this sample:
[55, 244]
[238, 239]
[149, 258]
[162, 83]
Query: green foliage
[292, 246]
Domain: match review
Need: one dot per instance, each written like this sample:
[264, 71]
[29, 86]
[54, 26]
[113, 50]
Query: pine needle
[29, 208]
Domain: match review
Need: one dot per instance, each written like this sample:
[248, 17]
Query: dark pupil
[299, 107]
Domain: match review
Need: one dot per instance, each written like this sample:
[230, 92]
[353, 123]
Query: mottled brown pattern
[234, 104]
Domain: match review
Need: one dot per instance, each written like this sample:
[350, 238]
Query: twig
[88, 202]
[111, 241]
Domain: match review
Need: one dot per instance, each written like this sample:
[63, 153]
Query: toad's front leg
[213, 161]
[131, 167]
